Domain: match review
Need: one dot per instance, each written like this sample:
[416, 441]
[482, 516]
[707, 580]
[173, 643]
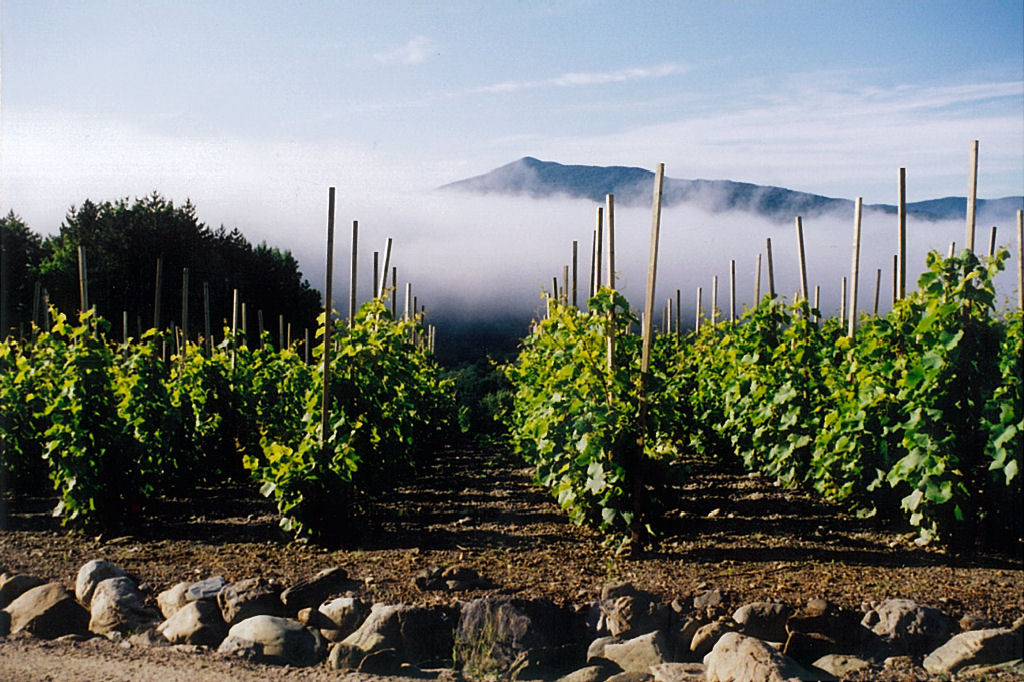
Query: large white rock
[738, 657]
[639, 653]
[47, 611]
[92, 574]
[280, 641]
[977, 647]
[198, 622]
[118, 605]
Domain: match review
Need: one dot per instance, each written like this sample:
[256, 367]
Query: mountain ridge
[539, 179]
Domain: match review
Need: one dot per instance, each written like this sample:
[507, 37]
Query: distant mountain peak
[537, 179]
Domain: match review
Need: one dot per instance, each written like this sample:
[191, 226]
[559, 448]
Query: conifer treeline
[123, 241]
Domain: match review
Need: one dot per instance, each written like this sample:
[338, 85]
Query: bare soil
[479, 508]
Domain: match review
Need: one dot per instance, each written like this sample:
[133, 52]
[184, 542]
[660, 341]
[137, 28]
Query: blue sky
[253, 108]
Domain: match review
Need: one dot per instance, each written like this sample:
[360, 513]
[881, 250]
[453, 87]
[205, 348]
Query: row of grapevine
[918, 419]
[112, 426]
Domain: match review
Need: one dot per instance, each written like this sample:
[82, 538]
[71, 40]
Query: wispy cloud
[578, 79]
[416, 51]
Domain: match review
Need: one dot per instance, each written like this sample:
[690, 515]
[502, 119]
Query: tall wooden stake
[593, 264]
[732, 292]
[1020, 261]
[575, 272]
[842, 303]
[83, 280]
[895, 278]
[714, 300]
[901, 253]
[972, 195]
[992, 243]
[878, 286]
[234, 326]
[771, 268]
[384, 271]
[609, 212]
[156, 293]
[394, 293]
[598, 259]
[325, 400]
[206, 317]
[353, 274]
[757, 282]
[855, 267]
[696, 322]
[679, 312]
[803, 257]
[184, 305]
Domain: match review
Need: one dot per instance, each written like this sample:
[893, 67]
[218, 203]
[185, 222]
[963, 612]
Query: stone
[343, 616]
[739, 657]
[681, 636]
[596, 648]
[639, 653]
[631, 676]
[975, 648]
[613, 591]
[275, 640]
[763, 620]
[545, 663]
[91, 574]
[703, 600]
[493, 631]
[198, 622]
[635, 614]
[172, 599]
[827, 622]
[5, 623]
[383, 662]
[678, 672]
[808, 646]
[840, 665]
[421, 635]
[325, 584]
[430, 579]
[908, 627]
[47, 611]
[205, 589]
[251, 597]
[706, 637]
[590, 673]
[975, 621]
[13, 586]
[118, 605]
[1011, 669]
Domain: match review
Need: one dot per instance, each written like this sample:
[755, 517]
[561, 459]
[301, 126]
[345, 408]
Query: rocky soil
[733, 535]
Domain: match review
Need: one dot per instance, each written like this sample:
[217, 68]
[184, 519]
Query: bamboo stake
[972, 195]
[353, 274]
[598, 259]
[610, 219]
[802, 256]
[992, 243]
[901, 254]
[895, 278]
[878, 286]
[83, 280]
[384, 272]
[575, 274]
[732, 292]
[771, 269]
[1020, 261]
[156, 294]
[325, 400]
[855, 266]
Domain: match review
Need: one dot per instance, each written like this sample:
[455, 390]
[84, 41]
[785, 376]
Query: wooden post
[156, 293]
[679, 313]
[394, 293]
[638, 497]
[714, 300]
[288, 335]
[972, 195]
[234, 326]
[992, 243]
[376, 274]
[803, 258]
[1020, 261]
[732, 292]
[305, 346]
[895, 279]
[901, 253]
[384, 271]
[184, 304]
[855, 266]
[37, 314]
[757, 282]
[280, 333]
[817, 299]
[696, 324]
[771, 269]
[325, 399]
[206, 317]
[259, 325]
[83, 280]
[565, 284]
[245, 323]
[575, 257]
[554, 289]
[353, 274]
[878, 286]
[952, 249]
[600, 248]
[842, 303]
[408, 300]
[593, 264]
[668, 316]
[609, 214]
[124, 326]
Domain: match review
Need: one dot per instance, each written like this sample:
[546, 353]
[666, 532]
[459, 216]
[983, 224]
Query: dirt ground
[479, 509]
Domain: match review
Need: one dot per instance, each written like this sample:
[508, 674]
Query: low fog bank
[481, 264]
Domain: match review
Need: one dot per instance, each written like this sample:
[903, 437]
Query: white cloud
[574, 79]
[416, 51]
